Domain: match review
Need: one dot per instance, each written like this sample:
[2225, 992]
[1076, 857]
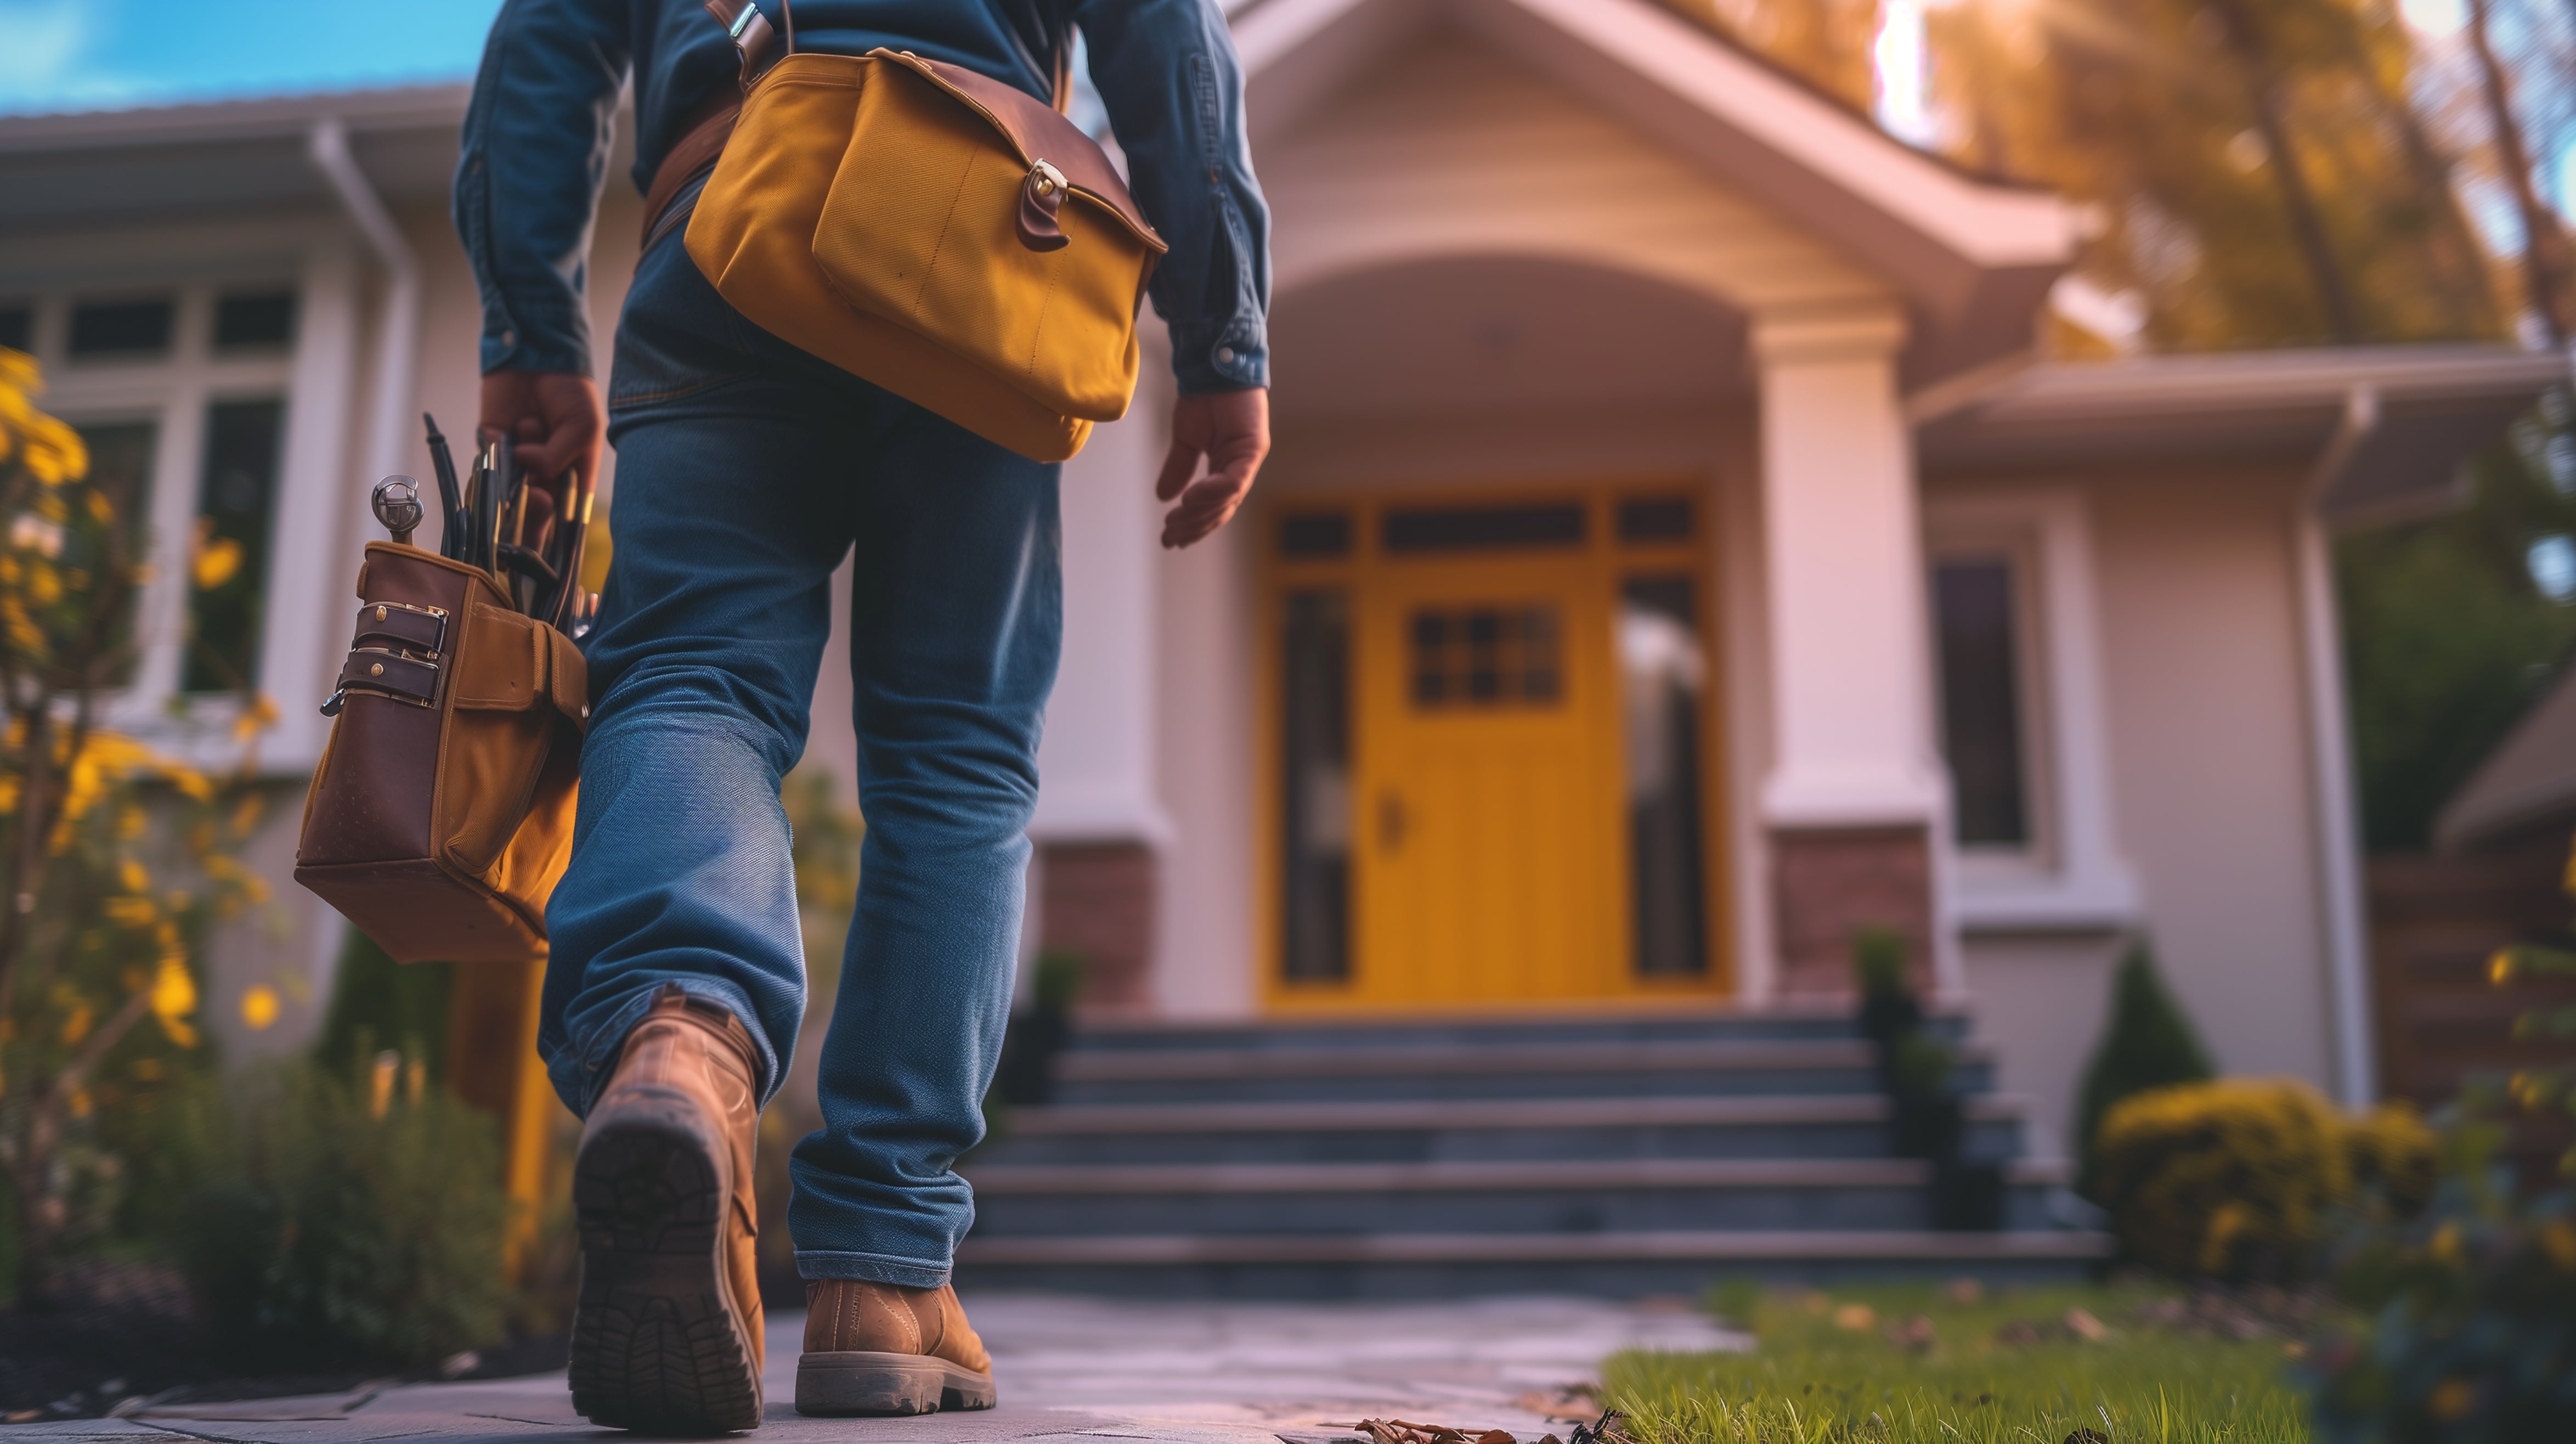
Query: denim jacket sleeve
[1167, 71]
[536, 144]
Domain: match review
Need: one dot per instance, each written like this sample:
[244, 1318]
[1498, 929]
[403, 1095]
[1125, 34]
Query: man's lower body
[746, 471]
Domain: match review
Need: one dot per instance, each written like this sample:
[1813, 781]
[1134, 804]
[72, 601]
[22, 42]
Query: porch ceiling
[1496, 334]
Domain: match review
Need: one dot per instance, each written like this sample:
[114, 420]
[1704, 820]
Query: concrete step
[1679, 1023]
[1631, 1263]
[1620, 1195]
[1378, 1071]
[1565, 1129]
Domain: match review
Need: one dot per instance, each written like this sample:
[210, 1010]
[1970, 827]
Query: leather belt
[703, 132]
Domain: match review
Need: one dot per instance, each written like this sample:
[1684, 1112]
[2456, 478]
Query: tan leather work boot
[666, 1339]
[879, 1349]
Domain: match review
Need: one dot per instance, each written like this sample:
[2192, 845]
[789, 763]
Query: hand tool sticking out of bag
[441, 814]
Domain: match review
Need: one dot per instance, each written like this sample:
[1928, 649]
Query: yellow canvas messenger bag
[932, 230]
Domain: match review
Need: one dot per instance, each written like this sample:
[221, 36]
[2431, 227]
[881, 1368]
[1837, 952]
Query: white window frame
[313, 376]
[2070, 875]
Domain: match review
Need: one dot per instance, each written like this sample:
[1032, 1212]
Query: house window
[127, 329]
[181, 393]
[1977, 611]
[1315, 784]
[236, 499]
[17, 326]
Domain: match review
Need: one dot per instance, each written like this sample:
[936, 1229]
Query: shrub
[2229, 1180]
[356, 1219]
[2148, 1043]
[2393, 1153]
[2472, 1316]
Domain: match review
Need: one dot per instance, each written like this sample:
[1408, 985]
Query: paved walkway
[1073, 1371]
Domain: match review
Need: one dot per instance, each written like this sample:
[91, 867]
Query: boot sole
[656, 1344]
[861, 1382]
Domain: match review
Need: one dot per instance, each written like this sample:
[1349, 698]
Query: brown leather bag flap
[1038, 133]
[510, 663]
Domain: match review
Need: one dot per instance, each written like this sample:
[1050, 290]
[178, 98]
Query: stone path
[1073, 1371]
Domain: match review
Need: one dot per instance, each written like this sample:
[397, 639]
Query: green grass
[1816, 1379]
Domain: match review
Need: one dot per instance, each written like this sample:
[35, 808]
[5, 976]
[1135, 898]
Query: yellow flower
[258, 717]
[131, 876]
[2559, 1241]
[2452, 1398]
[44, 584]
[2500, 967]
[174, 997]
[2446, 1243]
[218, 559]
[76, 1027]
[132, 912]
[259, 1006]
[80, 1103]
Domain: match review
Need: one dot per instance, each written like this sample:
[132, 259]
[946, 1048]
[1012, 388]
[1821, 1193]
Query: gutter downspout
[2330, 761]
[397, 356]
[398, 342]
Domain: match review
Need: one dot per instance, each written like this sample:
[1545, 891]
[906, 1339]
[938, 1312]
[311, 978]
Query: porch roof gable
[1974, 256]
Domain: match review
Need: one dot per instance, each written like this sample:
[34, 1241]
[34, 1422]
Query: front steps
[1619, 1156]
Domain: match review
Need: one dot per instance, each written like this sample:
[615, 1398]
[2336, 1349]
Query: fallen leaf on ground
[2083, 1325]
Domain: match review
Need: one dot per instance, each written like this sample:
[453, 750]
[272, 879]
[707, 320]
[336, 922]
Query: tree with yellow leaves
[115, 860]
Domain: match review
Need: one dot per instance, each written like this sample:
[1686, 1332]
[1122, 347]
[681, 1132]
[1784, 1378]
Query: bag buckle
[1041, 196]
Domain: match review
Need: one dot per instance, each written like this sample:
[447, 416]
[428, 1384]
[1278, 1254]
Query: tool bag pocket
[441, 814]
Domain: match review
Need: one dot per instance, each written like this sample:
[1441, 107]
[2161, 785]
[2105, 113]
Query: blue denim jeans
[746, 471]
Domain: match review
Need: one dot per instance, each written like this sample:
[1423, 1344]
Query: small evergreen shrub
[2147, 1043]
[347, 1219]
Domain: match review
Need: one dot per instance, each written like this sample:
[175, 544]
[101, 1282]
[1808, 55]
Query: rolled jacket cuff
[581, 1072]
[875, 1268]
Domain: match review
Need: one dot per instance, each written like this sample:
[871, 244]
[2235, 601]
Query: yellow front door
[1486, 791]
[1488, 722]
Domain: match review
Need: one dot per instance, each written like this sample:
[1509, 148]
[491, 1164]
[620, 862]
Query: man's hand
[1232, 430]
[555, 418]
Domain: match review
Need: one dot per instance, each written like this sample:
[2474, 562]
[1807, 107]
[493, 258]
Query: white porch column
[1855, 788]
[1099, 819]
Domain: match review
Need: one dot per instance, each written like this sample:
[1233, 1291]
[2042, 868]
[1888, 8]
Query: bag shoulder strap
[754, 40]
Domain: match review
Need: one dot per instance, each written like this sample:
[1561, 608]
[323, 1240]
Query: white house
[1677, 554]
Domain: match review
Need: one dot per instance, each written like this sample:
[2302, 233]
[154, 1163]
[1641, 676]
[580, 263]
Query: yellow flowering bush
[115, 860]
[2239, 1178]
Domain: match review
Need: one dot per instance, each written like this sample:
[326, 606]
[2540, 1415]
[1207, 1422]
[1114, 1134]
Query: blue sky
[102, 54]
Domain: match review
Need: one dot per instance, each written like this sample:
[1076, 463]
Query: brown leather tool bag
[442, 813]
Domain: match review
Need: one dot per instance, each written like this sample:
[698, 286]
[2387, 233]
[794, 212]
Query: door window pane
[1315, 534]
[1981, 705]
[228, 564]
[1663, 673]
[1315, 785]
[1655, 519]
[120, 466]
[17, 326]
[1486, 656]
[121, 330]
